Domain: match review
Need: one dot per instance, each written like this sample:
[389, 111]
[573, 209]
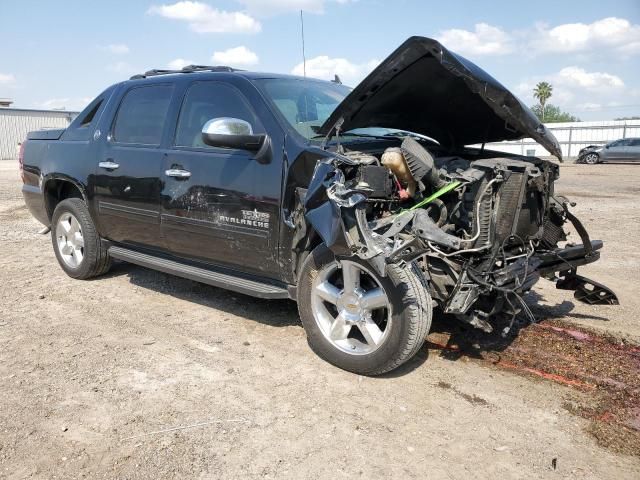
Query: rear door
[127, 181]
[219, 205]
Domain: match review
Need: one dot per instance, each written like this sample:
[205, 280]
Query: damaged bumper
[483, 232]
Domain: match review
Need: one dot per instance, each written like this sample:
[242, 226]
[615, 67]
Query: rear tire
[383, 324]
[76, 243]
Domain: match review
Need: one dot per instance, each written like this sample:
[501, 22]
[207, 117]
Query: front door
[219, 205]
[127, 182]
[616, 151]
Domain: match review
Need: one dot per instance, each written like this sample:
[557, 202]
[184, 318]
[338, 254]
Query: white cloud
[613, 33]
[579, 77]
[586, 106]
[7, 79]
[484, 40]
[325, 68]
[55, 103]
[203, 18]
[275, 7]
[72, 104]
[116, 48]
[179, 63]
[235, 56]
[605, 36]
[122, 68]
[577, 90]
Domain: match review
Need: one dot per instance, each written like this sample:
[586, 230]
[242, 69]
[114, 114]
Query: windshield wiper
[404, 133]
[386, 136]
[349, 134]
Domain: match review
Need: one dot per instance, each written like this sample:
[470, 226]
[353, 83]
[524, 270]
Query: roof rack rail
[187, 69]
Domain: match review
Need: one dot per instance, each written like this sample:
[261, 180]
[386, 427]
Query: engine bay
[482, 230]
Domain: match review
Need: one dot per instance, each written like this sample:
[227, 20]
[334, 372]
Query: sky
[61, 54]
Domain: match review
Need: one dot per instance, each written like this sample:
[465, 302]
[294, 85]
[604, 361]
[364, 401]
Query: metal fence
[573, 137]
[15, 123]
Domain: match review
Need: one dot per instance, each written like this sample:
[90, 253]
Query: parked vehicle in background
[623, 150]
[366, 206]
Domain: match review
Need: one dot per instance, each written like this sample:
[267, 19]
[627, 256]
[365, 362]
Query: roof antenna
[304, 60]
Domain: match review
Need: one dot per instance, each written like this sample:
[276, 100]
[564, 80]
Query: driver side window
[205, 101]
[619, 143]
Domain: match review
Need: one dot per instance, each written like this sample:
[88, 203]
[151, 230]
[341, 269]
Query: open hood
[424, 88]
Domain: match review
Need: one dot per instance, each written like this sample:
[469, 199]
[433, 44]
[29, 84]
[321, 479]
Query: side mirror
[229, 132]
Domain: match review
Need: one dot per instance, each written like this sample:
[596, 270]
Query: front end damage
[482, 230]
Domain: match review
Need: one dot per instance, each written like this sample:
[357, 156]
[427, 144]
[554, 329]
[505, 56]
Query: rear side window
[635, 142]
[205, 101]
[142, 115]
[88, 118]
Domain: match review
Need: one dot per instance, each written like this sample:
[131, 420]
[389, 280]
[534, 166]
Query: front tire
[357, 320]
[76, 243]
[591, 158]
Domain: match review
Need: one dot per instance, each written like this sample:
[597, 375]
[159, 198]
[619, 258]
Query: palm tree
[543, 92]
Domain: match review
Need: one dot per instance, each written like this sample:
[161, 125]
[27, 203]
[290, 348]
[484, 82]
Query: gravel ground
[142, 375]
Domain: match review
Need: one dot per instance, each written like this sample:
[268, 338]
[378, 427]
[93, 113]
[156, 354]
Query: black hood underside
[424, 88]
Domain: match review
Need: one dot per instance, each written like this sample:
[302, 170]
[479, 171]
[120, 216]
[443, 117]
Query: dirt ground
[142, 375]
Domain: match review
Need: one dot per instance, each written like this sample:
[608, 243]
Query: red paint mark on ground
[577, 334]
[549, 376]
[604, 368]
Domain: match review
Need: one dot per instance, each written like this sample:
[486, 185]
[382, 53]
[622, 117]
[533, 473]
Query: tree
[543, 92]
[553, 114]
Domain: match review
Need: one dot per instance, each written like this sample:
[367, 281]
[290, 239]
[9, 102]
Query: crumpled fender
[325, 198]
[337, 213]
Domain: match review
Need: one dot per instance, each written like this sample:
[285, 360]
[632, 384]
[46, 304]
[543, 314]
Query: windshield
[306, 104]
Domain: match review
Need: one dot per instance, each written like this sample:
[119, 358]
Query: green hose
[446, 189]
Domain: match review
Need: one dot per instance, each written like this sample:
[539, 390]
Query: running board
[217, 279]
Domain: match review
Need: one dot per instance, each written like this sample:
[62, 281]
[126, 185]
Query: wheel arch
[304, 247]
[59, 187]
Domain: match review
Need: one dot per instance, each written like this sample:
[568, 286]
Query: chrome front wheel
[359, 320]
[591, 158]
[70, 240]
[351, 308]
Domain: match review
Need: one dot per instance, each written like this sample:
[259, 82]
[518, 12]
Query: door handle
[177, 173]
[109, 165]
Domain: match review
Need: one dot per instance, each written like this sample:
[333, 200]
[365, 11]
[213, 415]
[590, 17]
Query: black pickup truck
[370, 207]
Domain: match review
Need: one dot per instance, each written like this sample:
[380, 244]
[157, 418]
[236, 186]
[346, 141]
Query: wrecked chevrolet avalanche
[371, 207]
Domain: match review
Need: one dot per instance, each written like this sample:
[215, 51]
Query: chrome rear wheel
[76, 243]
[70, 240]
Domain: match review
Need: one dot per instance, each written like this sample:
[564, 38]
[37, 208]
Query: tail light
[21, 161]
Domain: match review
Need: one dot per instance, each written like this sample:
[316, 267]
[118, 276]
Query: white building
[15, 123]
[573, 136]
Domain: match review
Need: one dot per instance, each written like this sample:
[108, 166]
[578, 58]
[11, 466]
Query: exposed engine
[483, 231]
